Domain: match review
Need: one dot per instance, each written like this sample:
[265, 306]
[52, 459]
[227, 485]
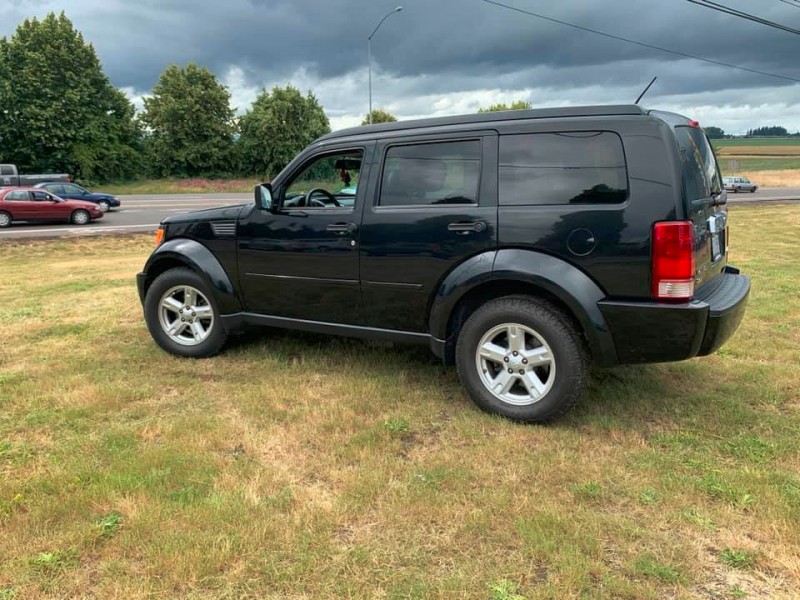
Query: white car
[739, 184]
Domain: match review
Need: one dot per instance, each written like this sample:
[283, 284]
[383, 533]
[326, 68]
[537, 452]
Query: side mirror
[263, 196]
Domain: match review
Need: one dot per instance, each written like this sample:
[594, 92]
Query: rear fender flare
[201, 260]
[573, 288]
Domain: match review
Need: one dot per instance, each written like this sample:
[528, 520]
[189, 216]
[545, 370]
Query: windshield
[700, 172]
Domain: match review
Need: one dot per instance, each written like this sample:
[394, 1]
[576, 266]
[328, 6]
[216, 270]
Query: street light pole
[369, 57]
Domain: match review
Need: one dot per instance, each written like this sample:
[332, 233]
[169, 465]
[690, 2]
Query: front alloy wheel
[104, 206]
[185, 315]
[182, 314]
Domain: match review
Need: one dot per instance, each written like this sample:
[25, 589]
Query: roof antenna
[645, 90]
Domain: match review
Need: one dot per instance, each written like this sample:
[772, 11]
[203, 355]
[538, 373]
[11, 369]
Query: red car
[29, 204]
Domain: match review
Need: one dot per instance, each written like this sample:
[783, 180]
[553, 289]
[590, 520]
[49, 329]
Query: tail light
[673, 266]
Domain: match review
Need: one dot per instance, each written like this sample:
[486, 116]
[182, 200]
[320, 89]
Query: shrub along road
[142, 213]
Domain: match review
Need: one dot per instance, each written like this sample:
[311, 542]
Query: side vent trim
[224, 228]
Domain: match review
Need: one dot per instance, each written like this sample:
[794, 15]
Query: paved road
[138, 214]
[142, 214]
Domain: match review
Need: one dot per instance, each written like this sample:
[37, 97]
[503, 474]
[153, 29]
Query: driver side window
[329, 181]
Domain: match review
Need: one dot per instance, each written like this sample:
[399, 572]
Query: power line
[790, 3]
[641, 44]
[743, 15]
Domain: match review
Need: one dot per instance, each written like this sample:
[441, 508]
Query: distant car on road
[72, 191]
[31, 204]
[739, 184]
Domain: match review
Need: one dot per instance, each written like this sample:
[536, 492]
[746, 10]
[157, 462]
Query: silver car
[739, 184]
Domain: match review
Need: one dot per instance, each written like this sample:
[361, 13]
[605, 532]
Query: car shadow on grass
[622, 397]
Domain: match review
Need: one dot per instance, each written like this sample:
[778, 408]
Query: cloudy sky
[440, 57]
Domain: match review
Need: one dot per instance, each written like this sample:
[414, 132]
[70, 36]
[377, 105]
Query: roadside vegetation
[181, 186]
[298, 466]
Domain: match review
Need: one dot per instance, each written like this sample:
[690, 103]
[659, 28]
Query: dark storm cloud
[436, 38]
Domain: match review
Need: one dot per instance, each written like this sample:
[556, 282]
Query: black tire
[165, 282]
[5, 219]
[80, 217]
[559, 333]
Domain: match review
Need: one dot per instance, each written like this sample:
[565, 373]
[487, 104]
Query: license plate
[716, 227]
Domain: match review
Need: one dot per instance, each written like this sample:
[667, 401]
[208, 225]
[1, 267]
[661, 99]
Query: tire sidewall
[556, 330]
[175, 277]
[6, 223]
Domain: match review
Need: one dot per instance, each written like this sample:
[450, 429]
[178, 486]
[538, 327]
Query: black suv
[520, 246]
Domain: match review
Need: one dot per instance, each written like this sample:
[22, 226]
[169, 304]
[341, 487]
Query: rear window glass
[700, 174]
[562, 168]
[432, 174]
[6, 170]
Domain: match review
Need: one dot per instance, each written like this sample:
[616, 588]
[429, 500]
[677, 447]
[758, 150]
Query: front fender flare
[200, 259]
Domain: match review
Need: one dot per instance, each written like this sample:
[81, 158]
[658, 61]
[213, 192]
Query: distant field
[790, 141]
[758, 155]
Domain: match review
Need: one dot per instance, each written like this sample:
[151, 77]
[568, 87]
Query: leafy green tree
[58, 111]
[278, 125]
[714, 133]
[190, 124]
[516, 105]
[379, 116]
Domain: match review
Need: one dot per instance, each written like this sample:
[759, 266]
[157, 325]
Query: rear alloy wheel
[80, 217]
[5, 219]
[182, 316]
[104, 206]
[522, 358]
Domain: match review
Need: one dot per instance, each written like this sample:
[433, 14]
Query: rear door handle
[465, 227]
[342, 228]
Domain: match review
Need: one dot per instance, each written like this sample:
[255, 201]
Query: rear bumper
[652, 332]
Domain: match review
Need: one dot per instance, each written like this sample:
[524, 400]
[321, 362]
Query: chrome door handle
[342, 228]
[464, 227]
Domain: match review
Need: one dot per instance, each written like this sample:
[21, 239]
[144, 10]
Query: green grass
[758, 164]
[300, 466]
[179, 186]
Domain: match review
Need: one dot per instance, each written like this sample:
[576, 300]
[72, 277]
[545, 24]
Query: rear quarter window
[698, 165]
[562, 168]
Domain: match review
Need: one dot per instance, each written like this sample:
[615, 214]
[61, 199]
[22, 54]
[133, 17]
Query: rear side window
[6, 170]
[562, 168]
[431, 174]
[698, 165]
[17, 195]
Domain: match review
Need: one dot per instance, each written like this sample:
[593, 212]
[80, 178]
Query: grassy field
[180, 186]
[769, 162]
[785, 141]
[296, 466]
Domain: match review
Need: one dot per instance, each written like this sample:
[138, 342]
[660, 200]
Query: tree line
[716, 133]
[59, 112]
